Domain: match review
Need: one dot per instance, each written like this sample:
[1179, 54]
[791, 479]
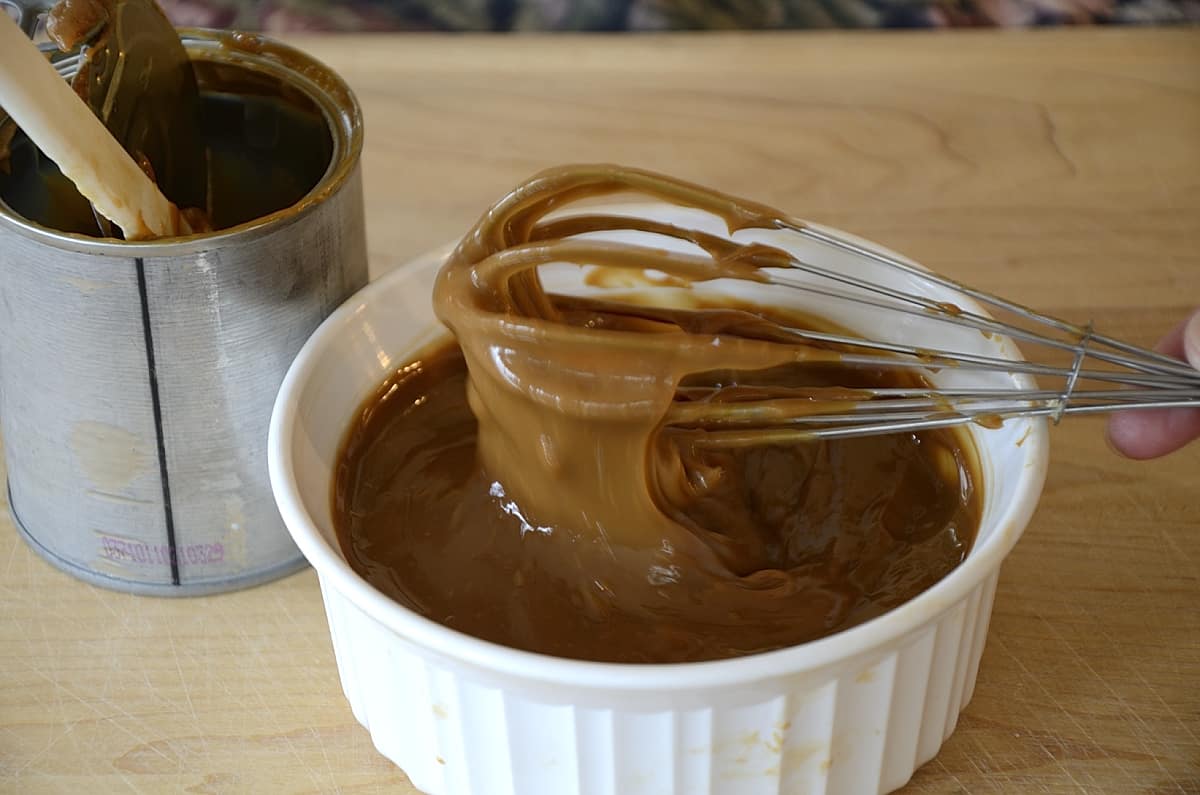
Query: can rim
[328, 91]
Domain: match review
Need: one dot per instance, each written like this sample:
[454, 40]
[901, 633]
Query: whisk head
[959, 343]
[1078, 370]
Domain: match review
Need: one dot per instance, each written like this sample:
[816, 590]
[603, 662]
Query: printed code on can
[119, 550]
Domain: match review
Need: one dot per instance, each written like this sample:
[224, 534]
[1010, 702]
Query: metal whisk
[1103, 374]
[978, 376]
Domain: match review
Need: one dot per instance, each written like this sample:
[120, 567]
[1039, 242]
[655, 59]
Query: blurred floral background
[617, 15]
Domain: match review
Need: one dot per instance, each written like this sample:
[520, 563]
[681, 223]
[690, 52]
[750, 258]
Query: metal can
[137, 378]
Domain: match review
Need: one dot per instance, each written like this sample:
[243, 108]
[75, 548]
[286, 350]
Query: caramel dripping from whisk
[583, 406]
[504, 250]
[504, 258]
[511, 221]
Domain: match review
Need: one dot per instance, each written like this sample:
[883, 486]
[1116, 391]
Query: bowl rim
[875, 635]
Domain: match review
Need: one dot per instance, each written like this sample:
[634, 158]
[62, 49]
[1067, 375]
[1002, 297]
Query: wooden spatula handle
[67, 131]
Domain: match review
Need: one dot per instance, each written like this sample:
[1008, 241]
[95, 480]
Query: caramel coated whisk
[825, 273]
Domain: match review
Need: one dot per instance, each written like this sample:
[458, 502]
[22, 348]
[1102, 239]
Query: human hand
[1152, 433]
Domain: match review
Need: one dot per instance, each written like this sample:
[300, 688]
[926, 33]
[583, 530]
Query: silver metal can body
[136, 380]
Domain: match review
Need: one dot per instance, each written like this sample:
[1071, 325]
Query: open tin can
[137, 378]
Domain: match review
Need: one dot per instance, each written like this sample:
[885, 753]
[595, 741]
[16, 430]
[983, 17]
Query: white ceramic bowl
[853, 713]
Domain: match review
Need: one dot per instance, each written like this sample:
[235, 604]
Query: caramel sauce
[618, 480]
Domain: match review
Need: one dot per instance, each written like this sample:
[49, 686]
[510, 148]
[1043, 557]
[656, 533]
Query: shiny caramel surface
[825, 534]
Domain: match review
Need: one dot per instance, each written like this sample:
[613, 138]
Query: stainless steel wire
[1142, 378]
[1098, 373]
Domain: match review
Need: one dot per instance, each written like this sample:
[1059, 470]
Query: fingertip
[1125, 436]
[1191, 340]
[1151, 433]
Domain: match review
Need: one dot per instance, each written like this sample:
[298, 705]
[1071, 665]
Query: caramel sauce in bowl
[855, 712]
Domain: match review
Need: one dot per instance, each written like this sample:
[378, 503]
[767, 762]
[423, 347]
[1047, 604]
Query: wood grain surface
[1059, 168]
